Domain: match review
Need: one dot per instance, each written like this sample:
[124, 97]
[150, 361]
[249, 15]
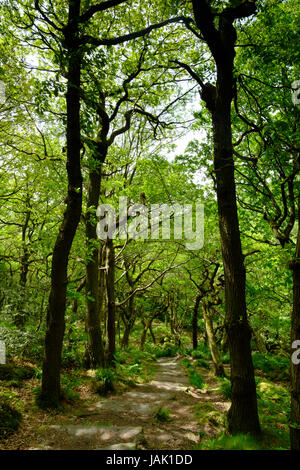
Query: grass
[162, 415]
[226, 442]
[196, 380]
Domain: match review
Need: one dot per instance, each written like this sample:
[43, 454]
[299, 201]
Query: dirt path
[128, 421]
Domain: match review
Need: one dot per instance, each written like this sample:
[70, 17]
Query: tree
[216, 28]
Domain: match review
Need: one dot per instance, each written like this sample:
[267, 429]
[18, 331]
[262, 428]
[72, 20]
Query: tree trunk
[195, 322]
[94, 346]
[295, 335]
[243, 414]
[20, 317]
[214, 350]
[129, 320]
[147, 324]
[111, 306]
[152, 333]
[50, 394]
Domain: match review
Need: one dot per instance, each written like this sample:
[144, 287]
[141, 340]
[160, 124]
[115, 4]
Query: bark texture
[295, 335]
[50, 394]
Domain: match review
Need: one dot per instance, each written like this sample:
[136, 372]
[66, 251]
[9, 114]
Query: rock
[102, 433]
[121, 446]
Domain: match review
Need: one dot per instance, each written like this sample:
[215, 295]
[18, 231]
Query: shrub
[196, 380]
[202, 352]
[168, 350]
[104, 379]
[162, 415]
[22, 343]
[202, 363]
[275, 367]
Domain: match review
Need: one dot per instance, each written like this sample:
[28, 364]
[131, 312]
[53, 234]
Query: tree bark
[295, 335]
[50, 394]
[94, 346]
[243, 414]
[129, 321]
[214, 350]
[111, 306]
[195, 322]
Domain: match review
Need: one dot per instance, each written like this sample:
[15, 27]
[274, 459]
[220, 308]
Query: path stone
[127, 407]
[121, 446]
[128, 422]
[102, 433]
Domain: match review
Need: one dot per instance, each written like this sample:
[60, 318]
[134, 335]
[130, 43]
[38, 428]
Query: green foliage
[22, 343]
[225, 442]
[225, 387]
[104, 381]
[202, 363]
[186, 363]
[10, 419]
[133, 366]
[196, 379]
[162, 415]
[275, 367]
[168, 350]
[206, 413]
[71, 358]
[202, 352]
[226, 358]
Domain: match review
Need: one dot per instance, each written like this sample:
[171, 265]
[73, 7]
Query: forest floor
[165, 413]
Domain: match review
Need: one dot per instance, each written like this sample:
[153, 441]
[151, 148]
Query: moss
[206, 413]
[162, 415]
[225, 442]
[11, 372]
[10, 419]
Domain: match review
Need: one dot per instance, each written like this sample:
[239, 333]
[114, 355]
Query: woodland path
[127, 421]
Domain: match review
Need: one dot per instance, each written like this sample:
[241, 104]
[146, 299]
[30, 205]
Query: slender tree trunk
[20, 318]
[214, 350]
[50, 394]
[111, 306]
[94, 346]
[243, 414]
[195, 322]
[144, 333]
[221, 37]
[295, 335]
[152, 333]
[147, 324]
[129, 322]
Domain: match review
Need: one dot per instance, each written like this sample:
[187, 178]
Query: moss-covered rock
[10, 420]
[11, 372]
